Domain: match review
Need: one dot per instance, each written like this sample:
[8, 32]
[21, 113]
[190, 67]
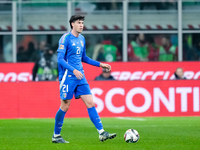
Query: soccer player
[70, 54]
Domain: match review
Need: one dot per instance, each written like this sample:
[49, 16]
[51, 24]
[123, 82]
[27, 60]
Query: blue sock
[59, 121]
[94, 117]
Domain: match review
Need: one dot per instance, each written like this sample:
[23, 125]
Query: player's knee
[90, 104]
[65, 105]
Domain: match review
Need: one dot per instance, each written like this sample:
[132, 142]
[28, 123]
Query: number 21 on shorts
[65, 88]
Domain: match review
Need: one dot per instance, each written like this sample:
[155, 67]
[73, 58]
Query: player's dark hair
[74, 18]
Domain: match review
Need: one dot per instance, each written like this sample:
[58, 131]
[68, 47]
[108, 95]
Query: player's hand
[106, 66]
[78, 74]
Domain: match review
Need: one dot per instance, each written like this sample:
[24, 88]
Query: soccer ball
[131, 136]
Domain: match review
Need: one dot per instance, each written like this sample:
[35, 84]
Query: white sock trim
[56, 135]
[100, 131]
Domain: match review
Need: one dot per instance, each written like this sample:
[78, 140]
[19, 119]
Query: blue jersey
[71, 53]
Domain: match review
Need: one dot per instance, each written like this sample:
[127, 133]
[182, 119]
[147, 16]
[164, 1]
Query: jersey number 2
[78, 50]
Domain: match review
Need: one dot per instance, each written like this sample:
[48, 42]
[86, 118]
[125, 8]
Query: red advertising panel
[129, 71]
[112, 98]
[147, 98]
[16, 72]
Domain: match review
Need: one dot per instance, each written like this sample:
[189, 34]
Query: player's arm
[90, 61]
[63, 63]
[62, 49]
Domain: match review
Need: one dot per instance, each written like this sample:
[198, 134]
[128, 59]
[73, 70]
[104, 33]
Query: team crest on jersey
[61, 47]
[64, 95]
[82, 43]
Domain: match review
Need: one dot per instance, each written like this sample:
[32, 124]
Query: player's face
[78, 26]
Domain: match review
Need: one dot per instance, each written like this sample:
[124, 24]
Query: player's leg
[94, 117]
[66, 94]
[59, 119]
[83, 91]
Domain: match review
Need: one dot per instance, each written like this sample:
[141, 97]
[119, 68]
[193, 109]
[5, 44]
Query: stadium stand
[37, 18]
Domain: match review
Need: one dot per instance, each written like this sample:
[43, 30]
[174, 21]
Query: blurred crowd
[32, 53]
[44, 57]
[141, 48]
[108, 48]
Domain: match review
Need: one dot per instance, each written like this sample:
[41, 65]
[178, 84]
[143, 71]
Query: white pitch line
[131, 118]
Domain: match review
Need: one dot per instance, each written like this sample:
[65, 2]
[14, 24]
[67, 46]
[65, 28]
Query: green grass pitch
[156, 133]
